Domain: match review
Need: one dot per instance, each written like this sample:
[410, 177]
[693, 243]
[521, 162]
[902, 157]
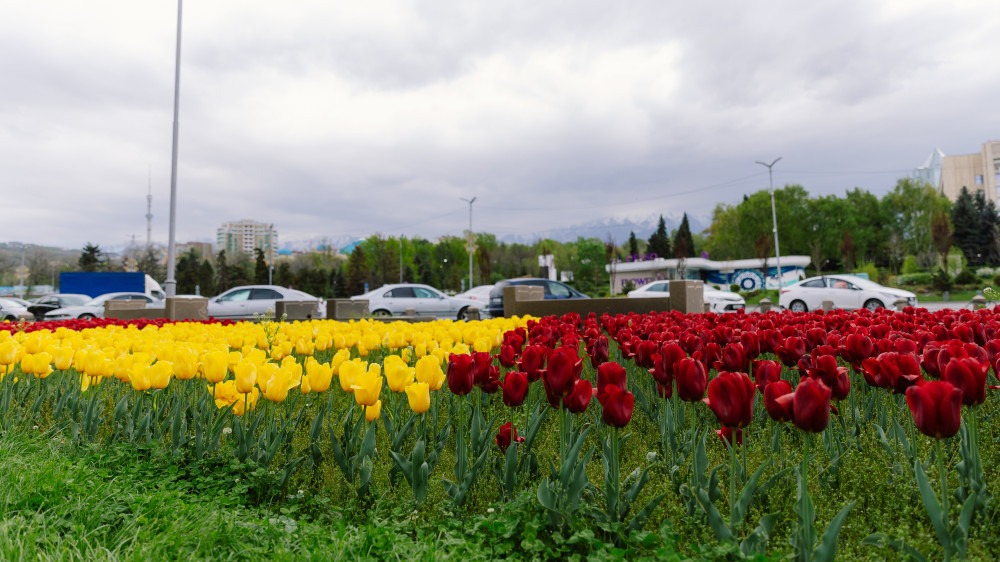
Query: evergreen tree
[186, 273]
[683, 241]
[90, 258]
[283, 274]
[659, 241]
[206, 279]
[990, 221]
[358, 271]
[222, 269]
[339, 283]
[966, 220]
[260, 267]
[633, 244]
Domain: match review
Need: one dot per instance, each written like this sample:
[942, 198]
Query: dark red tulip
[559, 376]
[506, 436]
[508, 355]
[579, 398]
[617, 407]
[856, 348]
[692, 378]
[598, 351]
[727, 433]
[610, 374]
[833, 376]
[461, 375]
[891, 370]
[644, 353]
[734, 358]
[481, 362]
[936, 407]
[664, 361]
[664, 391]
[766, 372]
[969, 375]
[491, 383]
[811, 405]
[778, 400]
[731, 397]
[791, 351]
[815, 337]
[751, 344]
[515, 388]
[533, 361]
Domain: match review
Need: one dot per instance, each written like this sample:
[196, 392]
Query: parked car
[249, 300]
[480, 293]
[845, 291]
[553, 290]
[94, 308]
[12, 311]
[718, 301]
[41, 306]
[394, 300]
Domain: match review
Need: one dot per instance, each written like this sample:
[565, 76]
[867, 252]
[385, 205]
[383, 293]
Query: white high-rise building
[245, 236]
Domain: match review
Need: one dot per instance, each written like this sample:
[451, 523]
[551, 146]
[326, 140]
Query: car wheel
[464, 314]
[798, 306]
[873, 304]
[381, 313]
[10, 318]
[87, 316]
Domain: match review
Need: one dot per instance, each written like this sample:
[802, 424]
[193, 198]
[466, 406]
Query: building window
[979, 179]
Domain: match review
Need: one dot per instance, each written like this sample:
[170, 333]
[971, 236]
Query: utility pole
[774, 220]
[469, 247]
[171, 282]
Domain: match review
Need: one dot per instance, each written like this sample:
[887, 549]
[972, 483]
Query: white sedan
[249, 300]
[424, 300]
[718, 301]
[844, 291]
[95, 308]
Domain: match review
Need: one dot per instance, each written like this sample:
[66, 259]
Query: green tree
[590, 276]
[683, 242]
[222, 282]
[206, 279]
[260, 269]
[908, 210]
[633, 244]
[186, 272]
[941, 234]
[283, 275]
[659, 241]
[358, 272]
[967, 234]
[90, 258]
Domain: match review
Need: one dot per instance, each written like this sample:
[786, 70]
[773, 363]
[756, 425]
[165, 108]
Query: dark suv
[553, 290]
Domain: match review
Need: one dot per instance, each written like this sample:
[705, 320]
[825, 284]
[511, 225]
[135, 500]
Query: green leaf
[639, 520]
[828, 547]
[898, 545]
[756, 542]
[746, 495]
[931, 505]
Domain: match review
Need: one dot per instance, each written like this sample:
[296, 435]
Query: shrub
[910, 265]
[941, 281]
[628, 285]
[914, 279]
[734, 288]
[966, 277]
[869, 269]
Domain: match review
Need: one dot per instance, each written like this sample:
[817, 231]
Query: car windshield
[98, 301]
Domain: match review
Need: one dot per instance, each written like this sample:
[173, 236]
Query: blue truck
[95, 283]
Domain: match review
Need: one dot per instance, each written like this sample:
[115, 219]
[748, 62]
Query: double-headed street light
[469, 247]
[774, 219]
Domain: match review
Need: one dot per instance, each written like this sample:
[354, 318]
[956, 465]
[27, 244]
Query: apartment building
[246, 235]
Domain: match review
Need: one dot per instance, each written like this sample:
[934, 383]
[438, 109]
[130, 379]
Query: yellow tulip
[245, 401]
[62, 357]
[139, 377]
[338, 358]
[373, 411]
[281, 382]
[368, 385]
[224, 394]
[399, 377]
[33, 344]
[429, 371]
[8, 351]
[215, 366]
[350, 370]
[160, 373]
[185, 363]
[123, 367]
[419, 396]
[246, 376]
[264, 375]
[41, 364]
[320, 376]
[305, 347]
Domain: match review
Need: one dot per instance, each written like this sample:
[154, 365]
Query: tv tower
[149, 211]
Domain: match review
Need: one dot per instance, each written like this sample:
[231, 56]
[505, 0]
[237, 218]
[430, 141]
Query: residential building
[978, 172]
[245, 236]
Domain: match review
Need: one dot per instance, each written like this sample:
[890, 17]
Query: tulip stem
[731, 444]
[944, 489]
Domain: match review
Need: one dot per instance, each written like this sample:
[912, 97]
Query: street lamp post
[171, 282]
[469, 247]
[774, 219]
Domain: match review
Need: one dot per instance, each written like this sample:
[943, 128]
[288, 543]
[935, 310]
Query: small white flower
[34, 427]
[301, 492]
[227, 430]
[651, 456]
[489, 510]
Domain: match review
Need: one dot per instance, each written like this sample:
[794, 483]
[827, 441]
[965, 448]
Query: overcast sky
[350, 118]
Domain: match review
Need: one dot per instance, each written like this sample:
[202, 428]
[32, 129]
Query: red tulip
[751, 344]
[833, 376]
[766, 372]
[731, 397]
[610, 374]
[664, 362]
[491, 383]
[559, 376]
[936, 407]
[532, 361]
[579, 398]
[692, 378]
[506, 436]
[617, 407]
[598, 351]
[857, 348]
[811, 405]
[481, 362]
[778, 400]
[515, 388]
[791, 351]
[969, 375]
[644, 353]
[892, 370]
[508, 356]
[734, 358]
[461, 376]
[726, 434]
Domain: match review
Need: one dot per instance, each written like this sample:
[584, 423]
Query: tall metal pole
[400, 259]
[469, 247]
[171, 284]
[774, 219]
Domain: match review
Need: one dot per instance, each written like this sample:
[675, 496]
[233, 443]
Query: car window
[236, 296]
[400, 293]
[49, 300]
[121, 297]
[423, 293]
[660, 287]
[839, 284]
[265, 295]
[557, 290]
[813, 284]
[141, 298]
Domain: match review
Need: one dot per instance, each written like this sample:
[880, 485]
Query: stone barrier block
[687, 296]
[346, 309]
[186, 308]
[295, 310]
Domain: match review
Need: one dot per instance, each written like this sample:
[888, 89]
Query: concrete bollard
[978, 301]
[900, 304]
[828, 305]
[346, 309]
[687, 296]
[472, 314]
[765, 304]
